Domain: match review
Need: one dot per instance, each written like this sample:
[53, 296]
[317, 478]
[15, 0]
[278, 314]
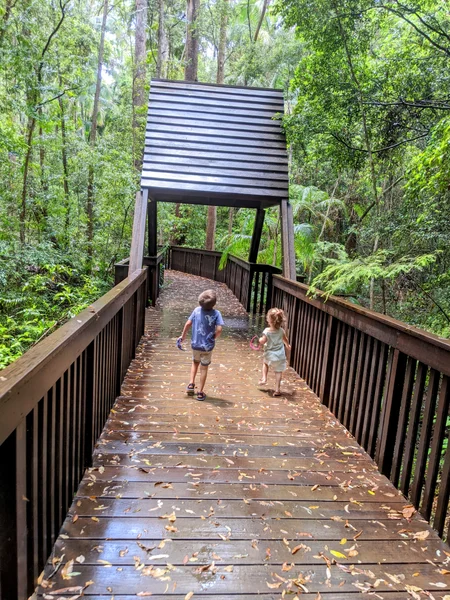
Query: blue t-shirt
[204, 323]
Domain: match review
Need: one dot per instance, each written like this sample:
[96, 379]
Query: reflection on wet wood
[241, 496]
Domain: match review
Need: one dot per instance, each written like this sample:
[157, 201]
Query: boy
[206, 323]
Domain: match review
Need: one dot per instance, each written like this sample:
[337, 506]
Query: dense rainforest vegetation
[367, 87]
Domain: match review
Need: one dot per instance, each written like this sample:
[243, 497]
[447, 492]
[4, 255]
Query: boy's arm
[186, 328]
[218, 331]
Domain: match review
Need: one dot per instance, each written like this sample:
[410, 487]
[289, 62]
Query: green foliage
[343, 275]
[41, 288]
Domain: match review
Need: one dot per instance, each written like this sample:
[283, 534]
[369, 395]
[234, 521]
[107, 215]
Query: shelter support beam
[256, 237]
[138, 239]
[287, 240]
[152, 227]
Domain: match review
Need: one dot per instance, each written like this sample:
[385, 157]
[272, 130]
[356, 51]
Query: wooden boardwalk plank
[242, 496]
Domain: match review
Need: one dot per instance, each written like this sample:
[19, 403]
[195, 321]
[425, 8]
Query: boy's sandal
[201, 396]
[190, 390]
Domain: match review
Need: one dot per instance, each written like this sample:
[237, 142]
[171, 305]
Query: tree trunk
[139, 77]
[221, 53]
[5, 19]
[261, 19]
[26, 167]
[163, 43]
[211, 227]
[230, 220]
[65, 169]
[212, 210]
[93, 137]
[191, 69]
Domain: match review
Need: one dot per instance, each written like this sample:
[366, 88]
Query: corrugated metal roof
[214, 144]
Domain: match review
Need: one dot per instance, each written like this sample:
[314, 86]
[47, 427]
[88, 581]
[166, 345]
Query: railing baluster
[376, 353]
[436, 448]
[350, 386]
[356, 392]
[413, 426]
[425, 436]
[378, 395]
[405, 405]
[21, 516]
[345, 374]
[364, 396]
[444, 495]
[391, 411]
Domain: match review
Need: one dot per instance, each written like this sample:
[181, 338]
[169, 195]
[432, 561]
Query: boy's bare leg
[278, 381]
[265, 371]
[194, 369]
[203, 376]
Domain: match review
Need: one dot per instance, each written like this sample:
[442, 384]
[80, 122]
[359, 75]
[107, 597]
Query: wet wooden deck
[241, 496]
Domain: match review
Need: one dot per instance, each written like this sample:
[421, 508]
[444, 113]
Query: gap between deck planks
[241, 496]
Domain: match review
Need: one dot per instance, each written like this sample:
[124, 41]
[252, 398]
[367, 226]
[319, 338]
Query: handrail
[385, 329]
[25, 381]
[54, 402]
[386, 381]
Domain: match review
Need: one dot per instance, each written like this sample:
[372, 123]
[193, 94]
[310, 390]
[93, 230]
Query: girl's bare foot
[262, 382]
[277, 393]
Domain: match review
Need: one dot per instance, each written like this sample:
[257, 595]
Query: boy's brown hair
[207, 299]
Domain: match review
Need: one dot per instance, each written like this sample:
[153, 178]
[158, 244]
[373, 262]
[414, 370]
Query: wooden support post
[256, 237]
[152, 227]
[137, 242]
[287, 240]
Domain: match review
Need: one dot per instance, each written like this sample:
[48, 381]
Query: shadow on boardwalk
[241, 496]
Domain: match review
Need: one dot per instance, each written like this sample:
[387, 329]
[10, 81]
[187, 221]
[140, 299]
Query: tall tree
[163, 42]
[192, 40]
[93, 136]
[139, 80]
[221, 54]
[261, 19]
[33, 101]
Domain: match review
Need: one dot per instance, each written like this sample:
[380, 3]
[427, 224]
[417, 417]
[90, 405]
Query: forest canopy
[367, 120]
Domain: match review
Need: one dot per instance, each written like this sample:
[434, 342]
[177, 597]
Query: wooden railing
[54, 401]
[251, 283]
[155, 272]
[388, 383]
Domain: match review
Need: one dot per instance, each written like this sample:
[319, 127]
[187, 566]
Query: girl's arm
[286, 342]
[263, 339]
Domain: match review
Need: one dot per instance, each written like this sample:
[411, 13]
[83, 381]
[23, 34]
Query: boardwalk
[241, 496]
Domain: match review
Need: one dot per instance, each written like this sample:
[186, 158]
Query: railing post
[327, 364]
[91, 401]
[391, 411]
[8, 519]
[251, 274]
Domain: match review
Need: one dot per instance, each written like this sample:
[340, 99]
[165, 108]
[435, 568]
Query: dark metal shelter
[217, 145]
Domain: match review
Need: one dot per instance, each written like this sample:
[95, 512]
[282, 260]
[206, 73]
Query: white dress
[274, 350]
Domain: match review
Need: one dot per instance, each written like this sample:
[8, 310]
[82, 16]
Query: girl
[275, 346]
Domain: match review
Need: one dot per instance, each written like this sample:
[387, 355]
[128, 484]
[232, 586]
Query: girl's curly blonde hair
[276, 317]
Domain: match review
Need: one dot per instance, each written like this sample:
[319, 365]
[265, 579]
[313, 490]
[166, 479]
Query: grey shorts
[204, 358]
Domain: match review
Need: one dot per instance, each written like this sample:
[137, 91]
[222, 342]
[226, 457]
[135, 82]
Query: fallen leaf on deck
[337, 554]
